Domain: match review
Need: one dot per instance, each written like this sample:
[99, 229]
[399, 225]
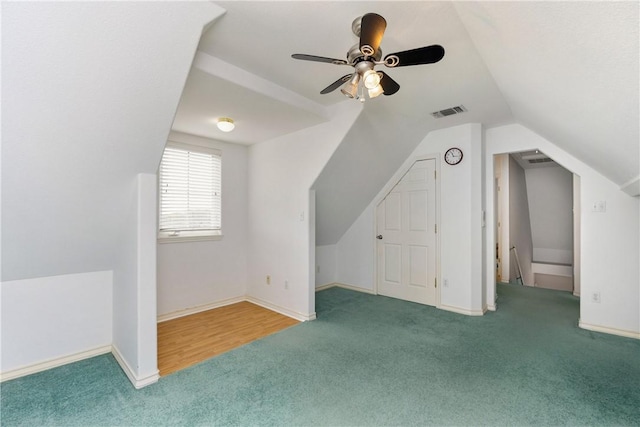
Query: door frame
[501, 209]
[400, 173]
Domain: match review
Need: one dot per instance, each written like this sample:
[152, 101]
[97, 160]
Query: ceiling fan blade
[372, 29]
[419, 56]
[335, 85]
[314, 58]
[389, 86]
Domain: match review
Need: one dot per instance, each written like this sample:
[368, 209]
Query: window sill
[183, 239]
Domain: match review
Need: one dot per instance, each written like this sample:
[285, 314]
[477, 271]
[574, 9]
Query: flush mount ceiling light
[225, 124]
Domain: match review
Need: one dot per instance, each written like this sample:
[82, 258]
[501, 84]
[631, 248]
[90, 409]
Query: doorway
[406, 247]
[537, 219]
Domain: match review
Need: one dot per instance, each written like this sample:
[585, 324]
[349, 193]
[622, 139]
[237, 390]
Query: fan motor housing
[356, 26]
[354, 55]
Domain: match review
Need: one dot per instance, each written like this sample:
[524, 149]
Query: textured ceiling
[259, 38]
[257, 116]
[567, 70]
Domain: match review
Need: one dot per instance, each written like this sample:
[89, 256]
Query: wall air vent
[535, 156]
[449, 111]
[542, 160]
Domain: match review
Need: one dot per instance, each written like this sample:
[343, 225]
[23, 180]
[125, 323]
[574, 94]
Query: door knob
[379, 237]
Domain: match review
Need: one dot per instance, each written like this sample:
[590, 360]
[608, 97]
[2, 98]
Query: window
[189, 193]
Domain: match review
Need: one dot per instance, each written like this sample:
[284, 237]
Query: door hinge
[435, 174]
[435, 228]
[435, 282]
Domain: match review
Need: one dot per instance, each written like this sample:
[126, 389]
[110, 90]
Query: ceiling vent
[449, 111]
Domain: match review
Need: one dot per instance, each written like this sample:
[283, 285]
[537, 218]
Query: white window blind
[190, 192]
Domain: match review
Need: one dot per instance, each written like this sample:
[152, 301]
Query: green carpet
[369, 360]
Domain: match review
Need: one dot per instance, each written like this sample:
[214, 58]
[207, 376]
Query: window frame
[189, 235]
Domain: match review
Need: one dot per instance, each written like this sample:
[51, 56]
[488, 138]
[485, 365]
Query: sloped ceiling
[259, 37]
[569, 71]
[566, 70]
[90, 89]
[88, 96]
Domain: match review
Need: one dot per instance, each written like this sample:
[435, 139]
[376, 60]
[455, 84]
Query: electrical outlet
[445, 283]
[268, 279]
[599, 206]
[286, 284]
[595, 297]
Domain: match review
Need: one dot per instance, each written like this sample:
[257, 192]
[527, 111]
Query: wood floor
[191, 339]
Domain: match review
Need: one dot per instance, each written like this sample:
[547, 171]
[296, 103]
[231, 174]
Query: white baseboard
[460, 310]
[606, 330]
[262, 303]
[138, 383]
[53, 363]
[285, 311]
[325, 286]
[200, 308]
[150, 379]
[345, 286]
[442, 306]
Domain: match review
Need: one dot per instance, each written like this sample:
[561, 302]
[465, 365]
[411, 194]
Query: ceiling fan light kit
[377, 91]
[366, 54]
[350, 89]
[371, 79]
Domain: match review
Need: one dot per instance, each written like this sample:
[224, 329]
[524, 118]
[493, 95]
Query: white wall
[352, 258]
[519, 224]
[355, 252]
[192, 274]
[125, 285]
[375, 146]
[88, 98]
[134, 286]
[577, 215]
[609, 240]
[550, 192]
[52, 317]
[610, 256]
[350, 261]
[281, 231]
[459, 224]
[325, 261]
[147, 229]
[477, 219]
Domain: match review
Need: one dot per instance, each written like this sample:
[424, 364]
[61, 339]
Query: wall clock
[453, 156]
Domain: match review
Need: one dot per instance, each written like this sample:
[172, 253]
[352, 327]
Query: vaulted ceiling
[89, 90]
[566, 70]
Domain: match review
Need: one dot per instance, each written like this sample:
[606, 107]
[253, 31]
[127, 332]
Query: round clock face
[453, 156]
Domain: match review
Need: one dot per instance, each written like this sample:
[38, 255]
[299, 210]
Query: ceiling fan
[366, 54]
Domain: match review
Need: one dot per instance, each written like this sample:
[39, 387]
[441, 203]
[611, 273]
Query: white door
[406, 237]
